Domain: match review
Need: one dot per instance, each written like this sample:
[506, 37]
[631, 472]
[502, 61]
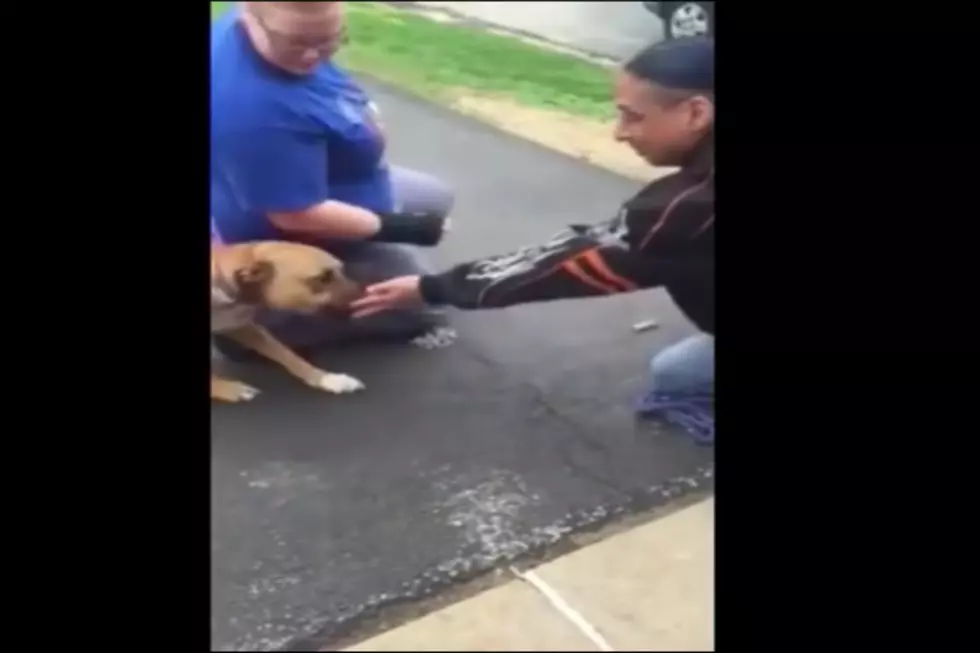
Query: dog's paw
[338, 383]
[233, 392]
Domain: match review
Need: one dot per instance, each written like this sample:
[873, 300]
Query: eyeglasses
[288, 43]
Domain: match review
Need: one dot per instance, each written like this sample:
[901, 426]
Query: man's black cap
[685, 63]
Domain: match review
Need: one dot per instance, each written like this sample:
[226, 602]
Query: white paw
[247, 393]
[234, 392]
[339, 383]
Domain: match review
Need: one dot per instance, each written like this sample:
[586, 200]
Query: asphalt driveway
[327, 509]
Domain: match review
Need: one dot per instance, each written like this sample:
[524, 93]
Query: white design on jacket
[508, 266]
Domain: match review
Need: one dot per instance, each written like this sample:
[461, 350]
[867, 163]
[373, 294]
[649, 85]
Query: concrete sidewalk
[647, 589]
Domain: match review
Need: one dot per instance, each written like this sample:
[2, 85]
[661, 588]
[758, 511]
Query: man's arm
[639, 249]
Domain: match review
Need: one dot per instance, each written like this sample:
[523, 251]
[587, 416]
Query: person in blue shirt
[298, 153]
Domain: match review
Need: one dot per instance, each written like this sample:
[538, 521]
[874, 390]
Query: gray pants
[371, 262]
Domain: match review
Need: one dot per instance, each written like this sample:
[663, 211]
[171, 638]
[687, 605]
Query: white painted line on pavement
[564, 608]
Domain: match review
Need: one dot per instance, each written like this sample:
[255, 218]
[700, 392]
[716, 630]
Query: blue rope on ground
[693, 412]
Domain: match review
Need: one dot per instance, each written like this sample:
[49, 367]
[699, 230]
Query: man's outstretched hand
[400, 292]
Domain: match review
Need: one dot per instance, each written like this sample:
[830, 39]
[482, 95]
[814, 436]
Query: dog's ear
[254, 275]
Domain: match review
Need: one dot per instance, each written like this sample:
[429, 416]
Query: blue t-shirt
[281, 142]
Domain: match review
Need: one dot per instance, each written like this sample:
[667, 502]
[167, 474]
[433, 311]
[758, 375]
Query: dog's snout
[342, 293]
[357, 289]
[351, 290]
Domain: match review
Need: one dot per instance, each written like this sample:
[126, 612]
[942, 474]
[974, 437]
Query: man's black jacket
[664, 236]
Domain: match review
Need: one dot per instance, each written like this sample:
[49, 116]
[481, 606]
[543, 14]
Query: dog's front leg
[265, 344]
[231, 391]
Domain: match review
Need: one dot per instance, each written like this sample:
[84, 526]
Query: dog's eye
[322, 280]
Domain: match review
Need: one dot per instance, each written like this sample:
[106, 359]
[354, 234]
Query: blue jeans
[686, 366]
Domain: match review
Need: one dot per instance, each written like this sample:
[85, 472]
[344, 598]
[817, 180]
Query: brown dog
[282, 276]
